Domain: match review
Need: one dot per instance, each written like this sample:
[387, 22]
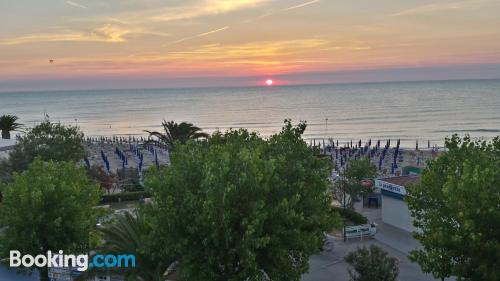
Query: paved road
[329, 265]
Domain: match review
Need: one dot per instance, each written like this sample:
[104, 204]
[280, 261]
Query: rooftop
[403, 180]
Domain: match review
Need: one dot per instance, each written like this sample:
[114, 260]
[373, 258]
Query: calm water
[409, 110]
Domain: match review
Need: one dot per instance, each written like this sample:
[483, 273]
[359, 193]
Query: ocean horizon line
[254, 86]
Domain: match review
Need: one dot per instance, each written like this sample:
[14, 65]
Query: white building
[394, 209]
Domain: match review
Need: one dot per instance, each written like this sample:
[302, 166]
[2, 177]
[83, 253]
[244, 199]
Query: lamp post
[344, 183]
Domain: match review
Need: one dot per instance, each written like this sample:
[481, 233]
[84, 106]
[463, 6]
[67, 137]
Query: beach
[115, 154]
[389, 160]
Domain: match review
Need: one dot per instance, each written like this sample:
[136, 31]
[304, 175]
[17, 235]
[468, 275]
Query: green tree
[131, 234]
[357, 170]
[177, 132]
[239, 207]
[373, 264]
[455, 209]
[8, 124]
[49, 206]
[49, 141]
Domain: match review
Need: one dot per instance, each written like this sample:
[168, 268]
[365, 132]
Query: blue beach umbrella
[87, 162]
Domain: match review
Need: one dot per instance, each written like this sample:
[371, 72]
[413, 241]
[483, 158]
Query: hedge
[351, 215]
[124, 196]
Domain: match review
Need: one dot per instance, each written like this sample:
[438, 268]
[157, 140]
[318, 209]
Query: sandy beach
[130, 154]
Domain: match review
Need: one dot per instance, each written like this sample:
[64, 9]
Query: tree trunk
[5, 134]
[44, 273]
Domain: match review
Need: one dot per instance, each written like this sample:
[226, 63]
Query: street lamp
[344, 183]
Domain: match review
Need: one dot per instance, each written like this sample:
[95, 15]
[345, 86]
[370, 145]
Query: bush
[351, 215]
[372, 264]
[124, 196]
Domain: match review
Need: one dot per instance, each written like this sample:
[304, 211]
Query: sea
[424, 111]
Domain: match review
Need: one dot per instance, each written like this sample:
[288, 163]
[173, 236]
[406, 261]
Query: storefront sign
[394, 188]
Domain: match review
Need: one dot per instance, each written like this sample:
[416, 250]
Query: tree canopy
[49, 206]
[357, 170]
[7, 124]
[239, 207]
[372, 264]
[49, 141]
[456, 210]
[177, 132]
[131, 234]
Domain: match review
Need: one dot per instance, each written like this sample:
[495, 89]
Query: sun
[269, 82]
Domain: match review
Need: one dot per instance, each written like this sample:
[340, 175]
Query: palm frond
[177, 132]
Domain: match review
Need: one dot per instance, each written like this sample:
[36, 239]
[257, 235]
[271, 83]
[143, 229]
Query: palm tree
[8, 124]
[129, 234]
[175, 132]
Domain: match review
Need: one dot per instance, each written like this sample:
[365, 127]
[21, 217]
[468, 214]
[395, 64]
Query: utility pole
[344, 183]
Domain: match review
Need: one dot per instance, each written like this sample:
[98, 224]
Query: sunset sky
[175, 43]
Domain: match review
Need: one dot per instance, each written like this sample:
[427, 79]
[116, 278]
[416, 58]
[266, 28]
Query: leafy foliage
[124, 196]
[457, 213]
[351, 215]
[357, 170]
[177, 132]
[107, 181]
[372, 264]
[131, 234]
[7, 124]
[49, 141]
[238, 207]
[48, 207]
